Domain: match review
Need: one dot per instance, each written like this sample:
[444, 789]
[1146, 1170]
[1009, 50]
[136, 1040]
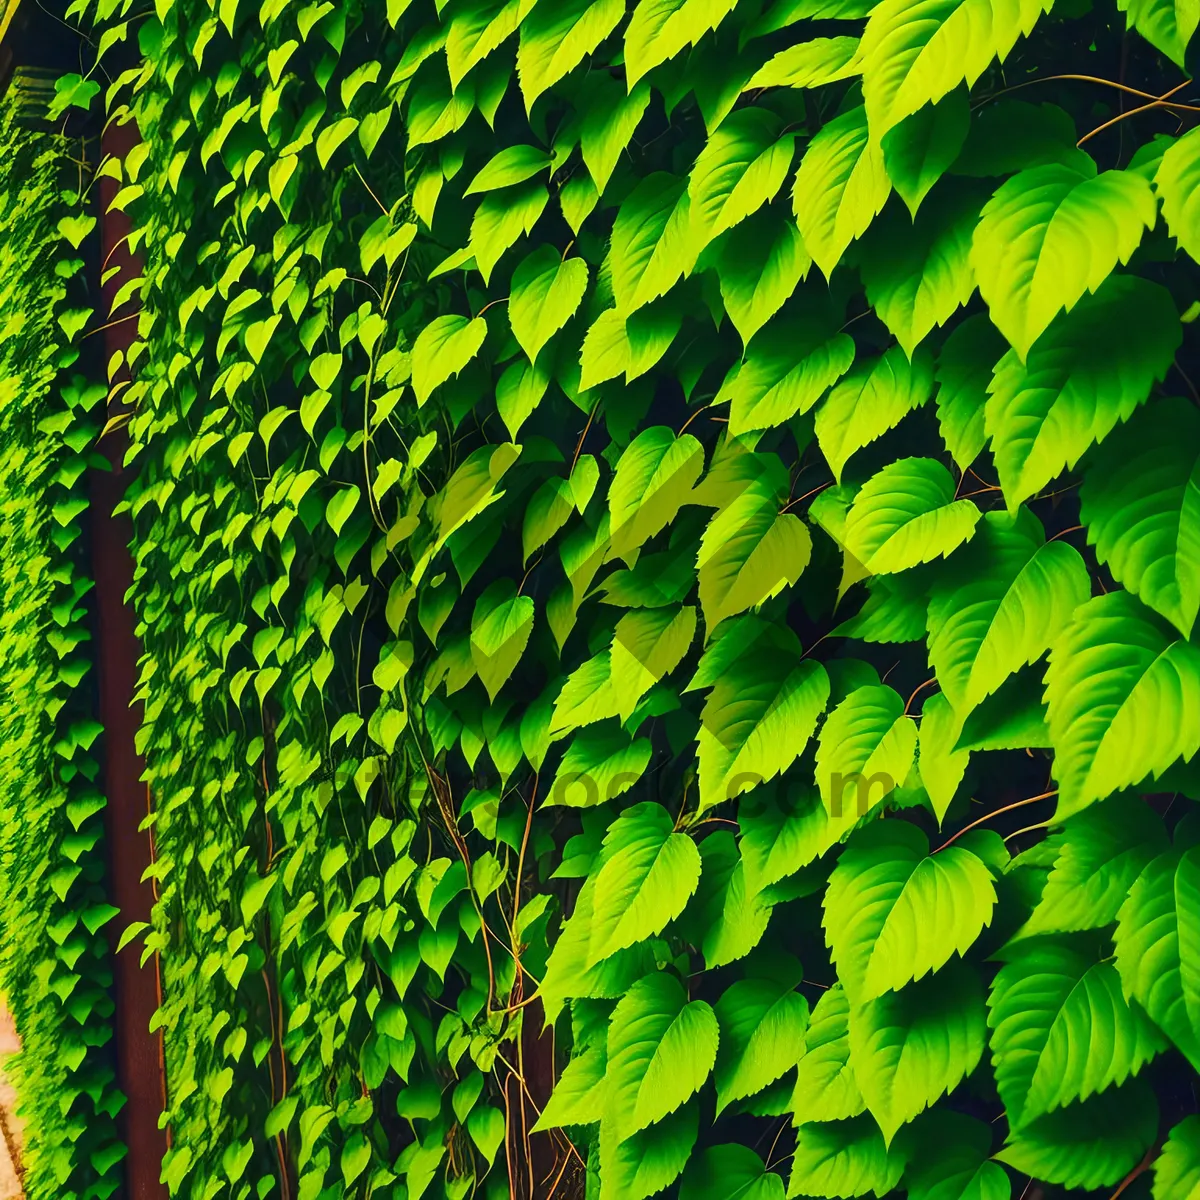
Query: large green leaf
[1061, 1029]
[599, 765]
[1051, 234]
[500, 629]
[918, 272]
[654, 476]
[914, 52]
[840, 188]
[964, 370]
[556, 38]
[1100, 855]
[757, 720]
[1177, 182]
[875, 397]
[906, 515]
[1177, 1169]
[730, 1172]
[661, 1049]
[741, 168]
[611, 118]
[909, 1048]
[760, 264]
[647, 645]
[749, 551]
[847, 1158]
[941, 765]
[825, 1086]
[788, 367]
[1089, 1145]
[725, 918]
[999, 605]
[918, 150]
[866, 740]
[1158, 947]
[546, 291]
[648, 875]
[651, 242]
[442, 349]
[660, 29]
[894, 912]
[951, 1160]
[808, 64]
[1168, 25]
[634, 1168]
[1089, 371]
[1140, 501]
[1124, 700]
[763, 1022]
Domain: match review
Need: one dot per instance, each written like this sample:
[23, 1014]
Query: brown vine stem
[1147, 1159]
[1158, 102]
[998, 812]
[1016, 87]
[369, 192]
[916, 691]
[583, 435]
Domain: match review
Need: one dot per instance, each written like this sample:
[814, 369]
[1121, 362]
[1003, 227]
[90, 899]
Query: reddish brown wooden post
[138, 1051]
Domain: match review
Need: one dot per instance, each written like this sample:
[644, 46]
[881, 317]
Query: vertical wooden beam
[139, 1053]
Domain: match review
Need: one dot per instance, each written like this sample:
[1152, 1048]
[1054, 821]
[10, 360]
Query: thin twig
[998, 812]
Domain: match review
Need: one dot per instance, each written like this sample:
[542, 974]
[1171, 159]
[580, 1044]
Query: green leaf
[498, 223]
[341, 506]
[1168, 25]
[599, 765]
[500, 627]
[847, 1158]
[546, 291]
[840, 188]
[914, 52]
[920, 148]
[911, 1047]
[486, 1125]
[826, 1089]
[762, 1022]
[749, 553]
[787, 368]
[809, 64]
[873, 398]
[548, 511]
[1117, 689]
[1061, 1029]
[634, 1168]
[741, 168]
[952, 1161]
[895, 913]
[757, 720]
[654, 476]
[1177, 181]
[1140, 501]
[1158, 947]
[918, 274]
[441, 351]
[942, 767]
[661, 1049]
[1177, 1168]
[906, 515]
[760, 265]
[1090, 1145]
[648, 876]
[1049, 235]
[964, 370]
[999, 605]
[730, 921]
[579, 1095]
[1100, 855]
[660, 29]
[867, 739]
[651, 243]
[611, 119]
[556, 38]
[730, 1171]
[518, 393]
[646, 646]
[1090, 370]
[472, 487]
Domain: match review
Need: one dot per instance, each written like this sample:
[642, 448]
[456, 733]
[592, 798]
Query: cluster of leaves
[54, 953]
[570, 654]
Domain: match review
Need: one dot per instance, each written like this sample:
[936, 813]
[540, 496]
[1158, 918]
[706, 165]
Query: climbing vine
[55, 968]
[667, 561]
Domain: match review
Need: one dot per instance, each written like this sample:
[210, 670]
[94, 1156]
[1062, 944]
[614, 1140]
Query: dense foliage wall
[54, 953]
[677, 522]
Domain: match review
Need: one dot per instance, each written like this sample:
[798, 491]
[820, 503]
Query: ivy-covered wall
[54, 952]
[668, 557]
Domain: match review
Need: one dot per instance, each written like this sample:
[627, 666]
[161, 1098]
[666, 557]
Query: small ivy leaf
[340, 507]
[486, 1127]
[500, 629]
[546, 291]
